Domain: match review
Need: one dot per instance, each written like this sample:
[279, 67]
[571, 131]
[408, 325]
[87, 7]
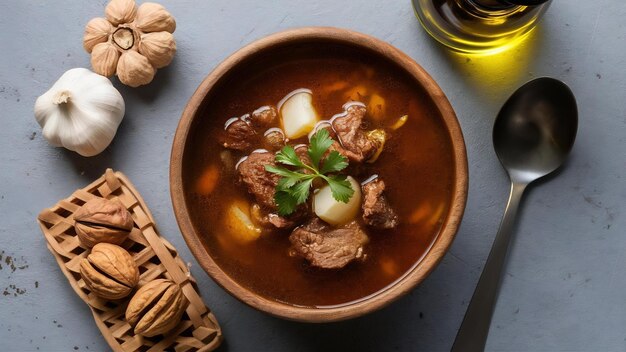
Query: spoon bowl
[532, 135]
[535, 129]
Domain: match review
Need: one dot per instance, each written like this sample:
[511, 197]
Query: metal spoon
[532, 135]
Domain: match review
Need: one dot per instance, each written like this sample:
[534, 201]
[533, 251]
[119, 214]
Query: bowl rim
[395, 290]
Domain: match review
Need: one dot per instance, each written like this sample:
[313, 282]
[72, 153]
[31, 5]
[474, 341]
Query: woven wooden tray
[155, 257]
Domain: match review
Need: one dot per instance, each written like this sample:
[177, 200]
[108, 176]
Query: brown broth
[416, 164]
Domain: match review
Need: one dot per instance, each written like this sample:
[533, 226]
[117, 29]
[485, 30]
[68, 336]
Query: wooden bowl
[332, 36]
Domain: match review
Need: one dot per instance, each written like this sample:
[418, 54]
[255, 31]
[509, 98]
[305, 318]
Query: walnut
[131, 42]
[156, 308]
[109, 271]
[102, 220]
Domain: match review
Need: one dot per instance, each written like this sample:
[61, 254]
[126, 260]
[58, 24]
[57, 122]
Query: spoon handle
[472, 334]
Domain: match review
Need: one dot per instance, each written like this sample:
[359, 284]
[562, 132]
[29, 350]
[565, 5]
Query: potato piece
[238, 223]
[297, 113]
[376, 107]
[333, 211]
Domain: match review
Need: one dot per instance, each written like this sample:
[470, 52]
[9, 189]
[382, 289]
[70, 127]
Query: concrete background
[565, 282]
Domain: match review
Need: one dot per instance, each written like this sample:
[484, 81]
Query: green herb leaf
[301, 191]
[287, 182]
[334, 162]
[340, 188]
[320, 142]
[294, 186]
[286, 202]
[288, 156]
[281, 171]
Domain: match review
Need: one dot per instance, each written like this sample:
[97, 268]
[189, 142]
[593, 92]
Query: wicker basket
[155, 257]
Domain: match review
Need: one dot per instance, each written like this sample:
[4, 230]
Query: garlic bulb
[81, 112]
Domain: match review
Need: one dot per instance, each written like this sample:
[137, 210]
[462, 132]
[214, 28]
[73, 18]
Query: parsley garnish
[295, 184]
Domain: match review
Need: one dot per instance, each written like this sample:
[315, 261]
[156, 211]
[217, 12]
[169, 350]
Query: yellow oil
[477, 26]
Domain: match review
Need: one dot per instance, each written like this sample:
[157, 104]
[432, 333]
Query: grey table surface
[565, 281]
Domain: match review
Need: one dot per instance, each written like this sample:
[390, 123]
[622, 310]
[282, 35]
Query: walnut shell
[109, 271]
[156, 308]
[102, 220]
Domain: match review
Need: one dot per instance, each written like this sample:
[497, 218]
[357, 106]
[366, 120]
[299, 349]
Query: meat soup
[346, 233]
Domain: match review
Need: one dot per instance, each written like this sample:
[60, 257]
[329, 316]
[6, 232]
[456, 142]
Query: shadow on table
[90, 168]
[150, 92]
[493, 77]
[395, 327]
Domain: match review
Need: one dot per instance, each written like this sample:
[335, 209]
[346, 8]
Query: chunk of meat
[354, 142]
[376, 210]
[302, 151]
[274, 139]
[328, 248]
[271, 220]
[345, 152]
[238, 134]
[260, 183]
[336, 146]
[281, 222]
[265, 116]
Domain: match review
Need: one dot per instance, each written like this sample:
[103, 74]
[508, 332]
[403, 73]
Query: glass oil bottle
[479, 26]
